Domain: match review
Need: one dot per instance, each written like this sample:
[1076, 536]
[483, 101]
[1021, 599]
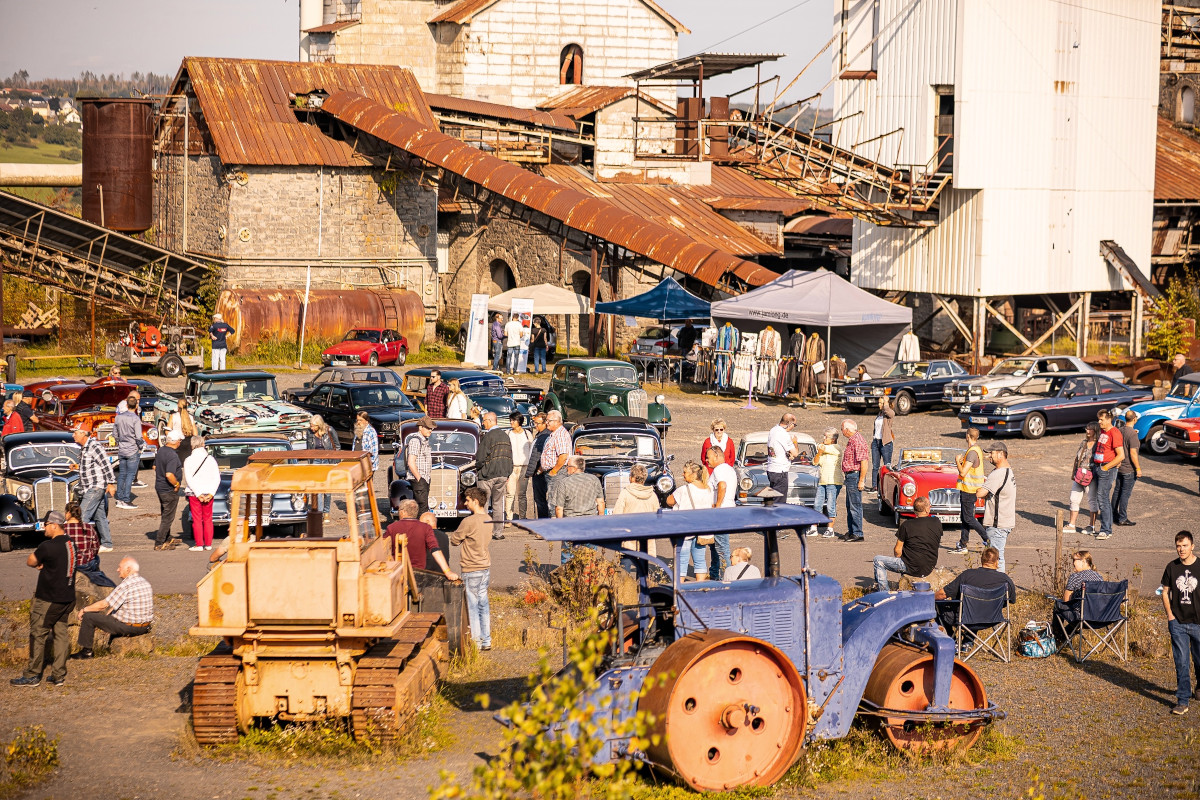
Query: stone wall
[766, 225]
[392, 32]
[208, 204]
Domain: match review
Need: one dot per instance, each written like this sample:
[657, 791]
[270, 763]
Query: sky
[61, 38]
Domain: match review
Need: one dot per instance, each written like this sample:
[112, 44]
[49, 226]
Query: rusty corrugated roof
[333, 27]
[480, 108]
[780, 205]
[579, 101]
[247, 110]
[462, 12]
[1176, 165]
[589, 214]
[841, 226]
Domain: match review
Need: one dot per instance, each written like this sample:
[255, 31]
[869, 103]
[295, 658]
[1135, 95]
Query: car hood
[1189, 423]
[37, 473]
[460, 460]
[1015, 401]
[350, 349]
[1168, 405]
[932, 476]
[992, 382]
[251, 413]
[108, 394]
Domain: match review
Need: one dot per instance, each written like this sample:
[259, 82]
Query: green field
[39, 153]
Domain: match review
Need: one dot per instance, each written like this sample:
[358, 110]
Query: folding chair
[1103, 613]
[983, 622]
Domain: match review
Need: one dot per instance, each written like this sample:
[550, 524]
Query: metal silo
[118, 152]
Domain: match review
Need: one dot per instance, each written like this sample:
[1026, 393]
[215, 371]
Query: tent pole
[828, 358]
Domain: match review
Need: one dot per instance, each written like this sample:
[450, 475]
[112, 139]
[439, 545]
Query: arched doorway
[1187, 105]
[501, 276]
[570, 65]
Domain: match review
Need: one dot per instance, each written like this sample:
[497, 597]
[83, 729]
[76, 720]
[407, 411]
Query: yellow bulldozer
[319, 627]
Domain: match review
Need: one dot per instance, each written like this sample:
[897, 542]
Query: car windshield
[452, 442]
[234, 455]
[614, 374]
[381, 395]
[1012, 366]
[617, 445]
[937, 455]
[233, 391]
[908, 369]
[483, 388]
[755, 454]
[1185, 390]
[43, 455]
[362, 336]
[1045, 387]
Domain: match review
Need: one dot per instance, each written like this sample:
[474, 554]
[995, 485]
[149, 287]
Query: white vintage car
[751, 466]
[1013, 372]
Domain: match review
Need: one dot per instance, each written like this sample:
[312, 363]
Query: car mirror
[1019, 373]
[1068, 395]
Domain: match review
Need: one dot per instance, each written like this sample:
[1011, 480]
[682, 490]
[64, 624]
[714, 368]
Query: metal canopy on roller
[665, 524]
[703, 65]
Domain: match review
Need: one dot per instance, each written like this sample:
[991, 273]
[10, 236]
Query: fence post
[1060, 580]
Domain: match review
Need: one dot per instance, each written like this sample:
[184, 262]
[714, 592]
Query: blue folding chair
[1103, 613]
[983, 623]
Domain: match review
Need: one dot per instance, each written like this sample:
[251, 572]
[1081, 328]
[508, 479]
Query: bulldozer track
[214, 697]
[395, 675]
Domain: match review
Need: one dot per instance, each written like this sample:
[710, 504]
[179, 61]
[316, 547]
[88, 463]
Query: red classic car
[929, 472]
[63, 405]
[367, 346]
[1183, 436]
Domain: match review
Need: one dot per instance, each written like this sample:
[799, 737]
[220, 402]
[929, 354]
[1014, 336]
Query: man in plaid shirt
[418, 460]
[856, 460]
[557, 447]
[435, 395]
[96, 479]
[127, 611]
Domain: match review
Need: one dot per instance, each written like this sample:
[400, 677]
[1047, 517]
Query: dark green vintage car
[592, 387]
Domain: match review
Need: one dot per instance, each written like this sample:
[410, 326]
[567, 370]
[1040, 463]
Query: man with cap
[999, 491]
[167, 472]
[95, 479]
[217, 332]
[53, 601]
[418, 460]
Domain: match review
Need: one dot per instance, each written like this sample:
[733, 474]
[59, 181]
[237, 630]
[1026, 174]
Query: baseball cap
[998, 447]
[55, 518]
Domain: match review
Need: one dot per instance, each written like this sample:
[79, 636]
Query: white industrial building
[1043, 115]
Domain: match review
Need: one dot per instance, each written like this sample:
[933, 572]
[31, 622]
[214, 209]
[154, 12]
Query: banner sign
[476, 351]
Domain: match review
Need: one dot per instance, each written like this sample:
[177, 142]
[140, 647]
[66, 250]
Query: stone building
[515, 52]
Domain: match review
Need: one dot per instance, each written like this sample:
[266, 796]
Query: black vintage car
[41, 474]
[908, 384]
[454, 444]
[339, 404]
[612, 445]
[340, 374]
[486, 390]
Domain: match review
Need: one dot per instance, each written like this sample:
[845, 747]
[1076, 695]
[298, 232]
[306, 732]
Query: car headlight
[664, 484]
[660, 398]
[909, 489]
[298, 501]
[468, 478]
[612, 398]
[1003, 411]
[296, 434]
[877, 392]
[24, 493]
[964, 409]
[747, 483]
[152, 434]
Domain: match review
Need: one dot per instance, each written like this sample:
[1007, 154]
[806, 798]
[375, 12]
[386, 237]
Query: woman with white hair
[202, 478]
[637, 498]
[829, 482]
[319, 437]
[693, 493]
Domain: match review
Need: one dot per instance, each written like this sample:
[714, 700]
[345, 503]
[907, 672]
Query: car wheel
[1156, 440]
[403, 357]
[905, 403]
[171, 366]
[1034, 427]
[5, 542]
[373, 360]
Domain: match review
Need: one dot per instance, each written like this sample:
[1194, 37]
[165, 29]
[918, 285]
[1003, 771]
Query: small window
[570, 66]
[320, 396]
[1187, 105]
[340, 398]
[560, 372]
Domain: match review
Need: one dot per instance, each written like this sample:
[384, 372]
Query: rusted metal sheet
[503, 113]
[580, 101]
[1176, 165]
[821, 226]
[255, 313]
[788, 207]
[246, 106]
[118, 154]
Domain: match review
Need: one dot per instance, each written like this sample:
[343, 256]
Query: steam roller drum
[729, 710]
[903, 680]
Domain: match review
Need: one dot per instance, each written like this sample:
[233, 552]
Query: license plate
[521, 398]
[445, 512]
[338, 363]
[979, 420]
[949, 519]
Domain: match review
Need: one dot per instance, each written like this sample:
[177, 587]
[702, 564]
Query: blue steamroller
[741, 675]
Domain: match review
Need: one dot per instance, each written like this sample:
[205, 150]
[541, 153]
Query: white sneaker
[126, 506]
[104, 548]
[1069, 529]
[195, 548]
[139, 484]
[208, 547]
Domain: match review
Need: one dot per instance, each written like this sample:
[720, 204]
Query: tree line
[90, 83]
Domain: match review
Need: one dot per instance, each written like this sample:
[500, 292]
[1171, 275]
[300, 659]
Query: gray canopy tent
[869, 327]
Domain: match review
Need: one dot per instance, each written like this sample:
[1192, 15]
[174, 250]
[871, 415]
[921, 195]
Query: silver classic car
[751, 467]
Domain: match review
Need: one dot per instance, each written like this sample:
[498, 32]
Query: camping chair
[983, 622]
[1103, 613]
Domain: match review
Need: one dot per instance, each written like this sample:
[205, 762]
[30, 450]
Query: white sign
[476, 352]
[522, 309]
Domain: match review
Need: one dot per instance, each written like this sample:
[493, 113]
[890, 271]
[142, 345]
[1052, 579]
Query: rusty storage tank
[118, 154]
[255, 313]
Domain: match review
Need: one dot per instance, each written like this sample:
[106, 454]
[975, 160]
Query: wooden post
[1060, 578]
[593, 292]
[978, 335]
[1081, 344]
[1135, 325]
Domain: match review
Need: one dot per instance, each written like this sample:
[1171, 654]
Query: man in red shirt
[856, 460]
[420, 538]
[1110, 452]
[435, 395]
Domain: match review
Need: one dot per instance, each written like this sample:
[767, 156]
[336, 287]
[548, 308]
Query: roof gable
[579, 101]
[463, 11]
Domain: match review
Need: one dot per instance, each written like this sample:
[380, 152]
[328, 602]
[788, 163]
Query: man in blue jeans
[1180, 583]
[497, 333]
[856, 460]
[95, 479]
[127, 428]
[1109, 454]
[473, 535]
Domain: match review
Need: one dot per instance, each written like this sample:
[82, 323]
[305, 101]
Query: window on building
[858, 22]
[570, 65]
[944, 129]
[502, 276]
[1187, 106]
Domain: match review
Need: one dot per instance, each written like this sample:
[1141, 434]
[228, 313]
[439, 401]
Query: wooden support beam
[952, 312]
[1001, 319]
[1059, 323]
[978, 341]
[1081, 341]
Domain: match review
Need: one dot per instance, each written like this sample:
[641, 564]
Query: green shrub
[29, 757]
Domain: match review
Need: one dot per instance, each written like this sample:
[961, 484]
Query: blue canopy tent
[667, 302]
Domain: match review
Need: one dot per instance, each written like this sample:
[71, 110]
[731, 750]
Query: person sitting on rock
[127, 611]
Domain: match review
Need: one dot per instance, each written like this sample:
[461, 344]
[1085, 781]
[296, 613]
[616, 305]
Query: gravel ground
[1098, 730]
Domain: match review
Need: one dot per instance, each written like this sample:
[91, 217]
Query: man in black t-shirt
[986, 576]
[1180, 586]
[917, 544]
[168, 474]
[22, 407]
[52, 602]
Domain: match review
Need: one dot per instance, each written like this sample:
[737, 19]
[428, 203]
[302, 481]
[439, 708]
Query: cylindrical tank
[255, 313]
[118, 154]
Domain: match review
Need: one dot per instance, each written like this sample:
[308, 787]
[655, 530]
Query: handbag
[1083, 477]
[1036, 641]
[702, 541]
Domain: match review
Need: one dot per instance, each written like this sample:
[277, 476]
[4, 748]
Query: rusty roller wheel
[730, 711]
[903, 680]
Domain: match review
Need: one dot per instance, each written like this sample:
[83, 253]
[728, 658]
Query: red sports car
[367, 346]
[62, 405]
[930, 472]
[1183, 436]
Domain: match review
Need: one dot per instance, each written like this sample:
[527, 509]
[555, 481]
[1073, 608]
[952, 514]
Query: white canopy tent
[547, 299]
[869, 327]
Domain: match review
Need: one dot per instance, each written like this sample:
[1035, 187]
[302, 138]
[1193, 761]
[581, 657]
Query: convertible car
[41, 474]
[1048, 403]
[910, 384]
[930, 472]
[1181, 402]
[371, 346]
[751, 466]
[612, 445]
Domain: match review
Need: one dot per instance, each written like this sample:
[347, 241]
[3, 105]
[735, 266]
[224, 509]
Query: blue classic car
[912, 384]
[1061, 401]
[1181, 402]
[485, 389]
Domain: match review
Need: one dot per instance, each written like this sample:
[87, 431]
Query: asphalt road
[1164, 502]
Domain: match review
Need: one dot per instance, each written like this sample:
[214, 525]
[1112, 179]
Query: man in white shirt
[781, 449]
[723, 482]
[512, 335]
